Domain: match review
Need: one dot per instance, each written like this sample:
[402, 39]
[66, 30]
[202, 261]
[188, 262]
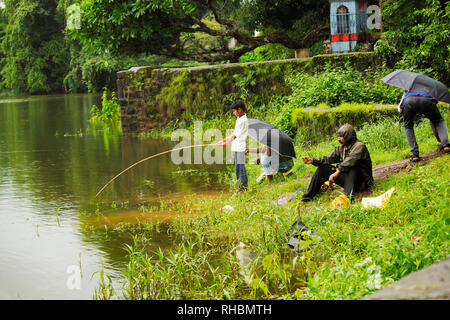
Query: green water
[53, 162]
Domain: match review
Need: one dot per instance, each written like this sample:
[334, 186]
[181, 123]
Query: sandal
[446, 149]
[414, 159]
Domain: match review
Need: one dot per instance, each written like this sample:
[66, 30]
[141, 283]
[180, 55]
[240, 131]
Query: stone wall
[149, 97]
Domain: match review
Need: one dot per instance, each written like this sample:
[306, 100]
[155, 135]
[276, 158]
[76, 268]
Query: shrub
[110, 111]
[337, 86]
[318, 124]
[268, 52]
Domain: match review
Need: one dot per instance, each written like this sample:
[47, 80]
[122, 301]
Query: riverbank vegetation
[218, 252]
[109, 112]
[236, 247]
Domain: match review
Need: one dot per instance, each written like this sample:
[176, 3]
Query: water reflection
[53, 162]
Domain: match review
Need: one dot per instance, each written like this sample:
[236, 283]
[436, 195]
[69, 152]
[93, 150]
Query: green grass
[362, 250]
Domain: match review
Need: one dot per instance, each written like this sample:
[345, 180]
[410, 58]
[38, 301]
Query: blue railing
[345, 23]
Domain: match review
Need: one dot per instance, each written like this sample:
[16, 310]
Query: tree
[35, 56]
[417, 36]
[199, 30]
[3, 23]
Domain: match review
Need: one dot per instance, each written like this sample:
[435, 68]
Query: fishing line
[24, 151]
[157, 194]
[148, 158]
[179, 193]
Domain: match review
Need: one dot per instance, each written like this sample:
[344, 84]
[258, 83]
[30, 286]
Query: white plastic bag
[378, 202]
[228, 208]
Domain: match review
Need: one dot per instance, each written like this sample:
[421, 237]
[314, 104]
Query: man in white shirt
[237, 140]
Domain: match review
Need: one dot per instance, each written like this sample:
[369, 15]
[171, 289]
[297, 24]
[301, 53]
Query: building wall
[357, 20]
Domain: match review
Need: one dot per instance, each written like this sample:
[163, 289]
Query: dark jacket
[353, 154]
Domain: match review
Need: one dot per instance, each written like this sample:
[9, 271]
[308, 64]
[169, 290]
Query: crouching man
[353, 170]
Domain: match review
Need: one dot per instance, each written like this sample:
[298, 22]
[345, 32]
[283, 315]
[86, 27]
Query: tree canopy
[200, 30]
[38, 54]
[35, 56]
[417, 36]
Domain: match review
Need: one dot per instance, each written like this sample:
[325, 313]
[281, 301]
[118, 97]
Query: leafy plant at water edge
[105, 290]
[110, 111]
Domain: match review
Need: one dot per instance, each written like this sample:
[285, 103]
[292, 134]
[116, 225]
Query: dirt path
[383, 171]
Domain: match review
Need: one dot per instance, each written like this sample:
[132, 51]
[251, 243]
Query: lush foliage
[331, 88]
[337, 86]
[109, 113]
[36, 57]
[417, 36]
[268, 52]
[172, 28]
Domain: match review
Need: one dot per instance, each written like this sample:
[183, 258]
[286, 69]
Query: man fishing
[353, 171]
[237, 140]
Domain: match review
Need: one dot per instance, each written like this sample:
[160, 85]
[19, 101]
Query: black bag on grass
[301, 235]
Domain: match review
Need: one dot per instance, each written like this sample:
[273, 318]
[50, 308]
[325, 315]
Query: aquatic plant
[109, 113]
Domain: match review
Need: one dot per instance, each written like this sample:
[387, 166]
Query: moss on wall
[158, 95]
[317, 124]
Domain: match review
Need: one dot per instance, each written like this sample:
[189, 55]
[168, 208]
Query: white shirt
[240, 132]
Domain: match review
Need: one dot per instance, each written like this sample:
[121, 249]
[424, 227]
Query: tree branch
[229, 24]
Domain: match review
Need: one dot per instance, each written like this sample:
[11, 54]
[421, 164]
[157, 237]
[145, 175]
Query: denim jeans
[241, 172]
[270, 165]
[421, 105]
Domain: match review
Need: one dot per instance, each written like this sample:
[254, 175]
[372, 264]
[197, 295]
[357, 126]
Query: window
[361, 6]
[342, 20]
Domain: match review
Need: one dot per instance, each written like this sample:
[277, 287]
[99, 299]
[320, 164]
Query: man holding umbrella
[277, 148]
[421, 96]
[272, 162]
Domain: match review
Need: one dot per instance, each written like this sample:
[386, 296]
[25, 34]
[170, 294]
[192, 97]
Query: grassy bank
[362, 249]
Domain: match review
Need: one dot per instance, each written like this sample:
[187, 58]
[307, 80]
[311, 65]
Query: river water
[53, 162]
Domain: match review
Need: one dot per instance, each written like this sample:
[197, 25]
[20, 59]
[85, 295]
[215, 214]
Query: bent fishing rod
[148, 158]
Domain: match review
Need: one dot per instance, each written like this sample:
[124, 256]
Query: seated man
[270, 164]
[353, 171]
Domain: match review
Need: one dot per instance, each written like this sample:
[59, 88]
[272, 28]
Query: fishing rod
[148, 158]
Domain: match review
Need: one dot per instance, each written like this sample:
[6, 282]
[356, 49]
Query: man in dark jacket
[353, 171]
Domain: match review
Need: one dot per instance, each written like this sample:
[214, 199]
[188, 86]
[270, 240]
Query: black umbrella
[271, 136]
[413, 81]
